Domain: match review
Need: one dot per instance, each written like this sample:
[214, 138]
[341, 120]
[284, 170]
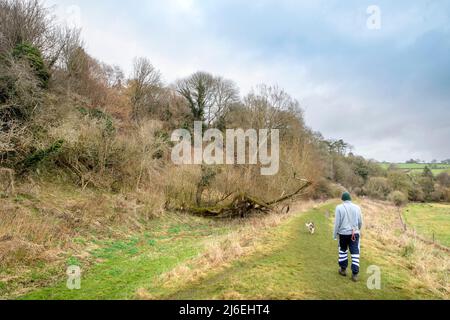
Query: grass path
[288, 263]
[297, 265]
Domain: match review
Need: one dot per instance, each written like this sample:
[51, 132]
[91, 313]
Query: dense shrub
[447, 195]
[364, 168]
[99, 115]
[444, 179]
[400, 181]
[324, 189]
[89, 153]
[378, 187]
[416, 193]
[398, 198]
[427, 185]
[33, 160]
[20, 91]
[33, 56]
[359, 191]
[345, 175]
[439, 194]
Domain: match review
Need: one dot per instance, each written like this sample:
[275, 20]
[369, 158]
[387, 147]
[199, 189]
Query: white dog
[311, 227]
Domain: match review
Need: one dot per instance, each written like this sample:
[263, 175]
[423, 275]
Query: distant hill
[436, 168]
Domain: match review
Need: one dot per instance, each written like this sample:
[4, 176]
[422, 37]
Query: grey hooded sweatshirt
[348, 219]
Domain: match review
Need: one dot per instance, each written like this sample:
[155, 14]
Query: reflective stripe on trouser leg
[343, 259]
[343, 256]
[355, 252]
[343, 252]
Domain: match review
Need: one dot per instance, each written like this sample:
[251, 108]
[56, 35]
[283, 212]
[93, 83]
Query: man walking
[347, 226]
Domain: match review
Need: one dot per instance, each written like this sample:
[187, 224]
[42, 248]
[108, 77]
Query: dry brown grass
[142, 294]
[45, 224]
[45, 219]
[429, 266]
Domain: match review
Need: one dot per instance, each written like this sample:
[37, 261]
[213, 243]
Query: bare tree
[114, 75]
[208, 96]
[23, 21]
[28, 21]
[66, 41]
[226, 94]
[273, 107]
[70, 46]
[145, 86]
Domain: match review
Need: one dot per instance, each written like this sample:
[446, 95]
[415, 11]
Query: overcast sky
[385, 91]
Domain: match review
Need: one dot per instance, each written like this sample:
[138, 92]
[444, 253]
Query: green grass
[123, 266]
[429, 219]
[417, 168]
[288, 264]
[297, 265]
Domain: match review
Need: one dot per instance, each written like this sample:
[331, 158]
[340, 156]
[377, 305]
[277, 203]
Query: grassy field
[269, 258]
[418, 167]
[430, 220]
[295, 265]
[122, 266]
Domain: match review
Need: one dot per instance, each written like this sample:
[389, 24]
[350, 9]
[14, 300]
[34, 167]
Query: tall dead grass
[429, 266]
[46, 219]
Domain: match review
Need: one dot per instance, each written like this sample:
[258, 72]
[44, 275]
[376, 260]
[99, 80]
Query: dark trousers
[346, 243]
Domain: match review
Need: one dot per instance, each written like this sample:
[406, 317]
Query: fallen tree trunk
[243, 204]
[289, 196]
